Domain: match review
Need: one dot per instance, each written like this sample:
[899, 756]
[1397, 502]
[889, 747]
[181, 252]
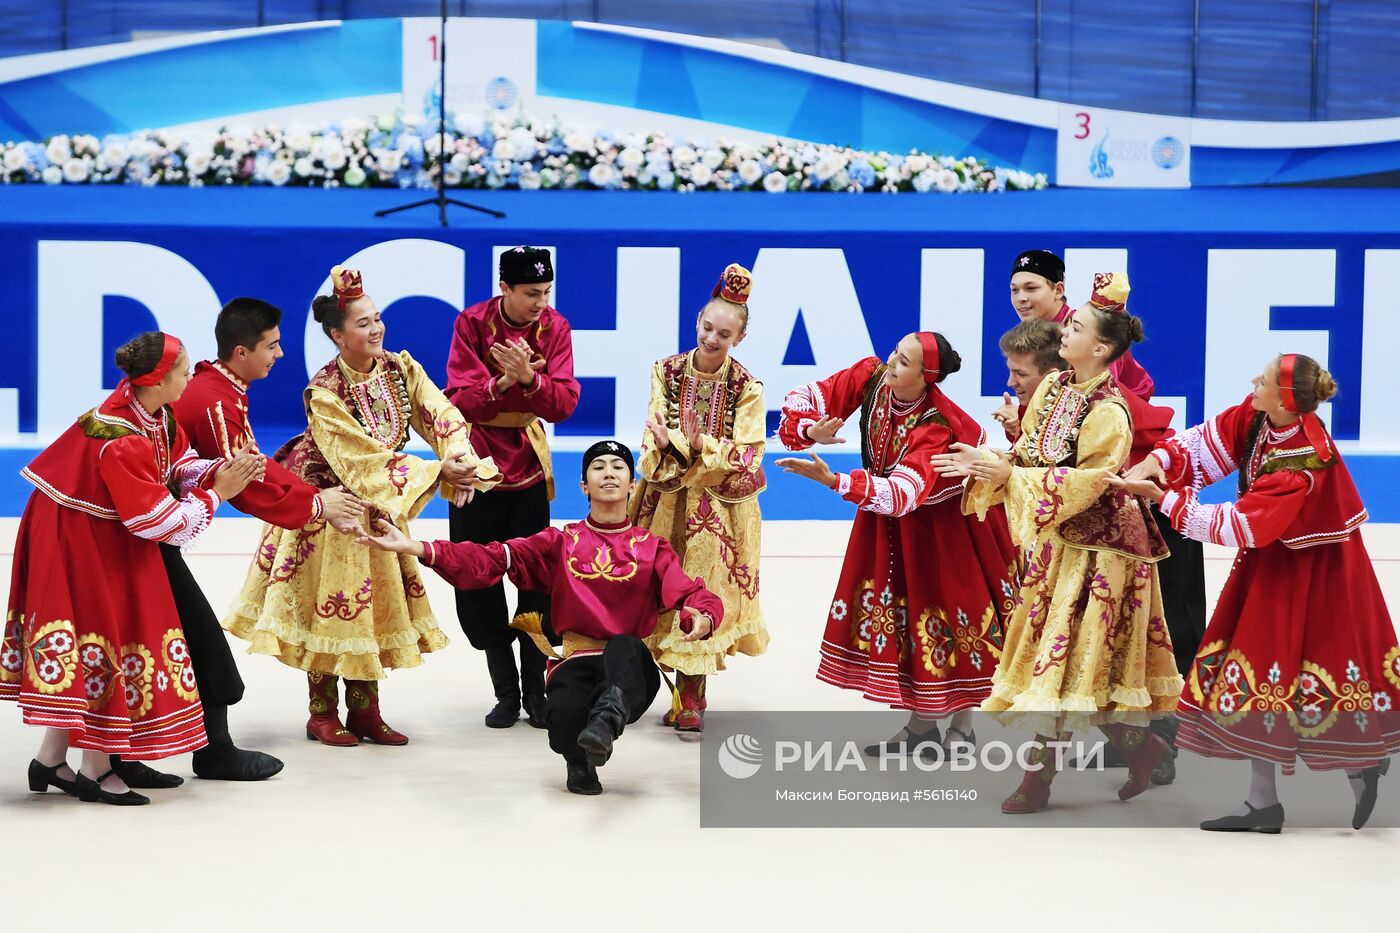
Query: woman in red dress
[917, 619]
[92, 647]
[1300, 657]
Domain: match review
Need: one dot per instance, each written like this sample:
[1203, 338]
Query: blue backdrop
[279, 245]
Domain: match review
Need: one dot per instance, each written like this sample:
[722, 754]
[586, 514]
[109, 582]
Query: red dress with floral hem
[1300, 657]
[92, 640]
[917, 620]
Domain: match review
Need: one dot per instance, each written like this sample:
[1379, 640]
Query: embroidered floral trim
[346, 608]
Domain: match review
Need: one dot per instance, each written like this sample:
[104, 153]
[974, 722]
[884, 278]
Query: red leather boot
[1033, 793]
[1143, 748]
[691, 718]
[363, 719]
[324, 725]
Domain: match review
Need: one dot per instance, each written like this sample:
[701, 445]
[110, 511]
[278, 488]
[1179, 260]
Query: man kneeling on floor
[608, 581]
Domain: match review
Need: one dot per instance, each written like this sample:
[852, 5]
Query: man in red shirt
[213, 412]
[1038, 291]
[608, 577]
[511, 368]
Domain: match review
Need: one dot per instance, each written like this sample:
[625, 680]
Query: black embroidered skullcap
[608, 448]
[1042, 262]
[526, 265]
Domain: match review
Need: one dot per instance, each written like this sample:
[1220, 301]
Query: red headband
[1312, 424]
[167, 362]
[928, 340]
[1285, 381]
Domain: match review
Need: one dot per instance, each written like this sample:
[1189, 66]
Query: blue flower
[378, 139]
[861, 173]
[556, 146]
[487, 138]
[37, 155]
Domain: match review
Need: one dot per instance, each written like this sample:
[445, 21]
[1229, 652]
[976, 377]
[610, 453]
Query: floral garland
[404, 151]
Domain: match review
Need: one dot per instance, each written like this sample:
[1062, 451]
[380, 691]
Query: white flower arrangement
[492, 151]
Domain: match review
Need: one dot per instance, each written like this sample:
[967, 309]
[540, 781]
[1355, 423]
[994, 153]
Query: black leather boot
[532, 684]
[221, 760]
[505, 679]
[583, 779]
[605, 724]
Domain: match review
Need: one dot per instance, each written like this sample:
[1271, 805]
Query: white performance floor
[467, 825]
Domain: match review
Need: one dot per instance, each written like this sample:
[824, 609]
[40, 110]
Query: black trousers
[576, 684]
[1183, 579]
[499, 515]
[214, 669]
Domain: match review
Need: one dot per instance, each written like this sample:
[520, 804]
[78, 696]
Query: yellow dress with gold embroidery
[313, 598]
[705, 503]
[1088, 641]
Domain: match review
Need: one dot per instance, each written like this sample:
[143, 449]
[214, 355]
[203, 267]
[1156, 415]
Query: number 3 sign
[1117, 149]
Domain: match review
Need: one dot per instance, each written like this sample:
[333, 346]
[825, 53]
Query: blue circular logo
[1168, 152]
[501, 93]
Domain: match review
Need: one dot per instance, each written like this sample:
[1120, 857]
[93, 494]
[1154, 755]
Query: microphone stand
[441, 200]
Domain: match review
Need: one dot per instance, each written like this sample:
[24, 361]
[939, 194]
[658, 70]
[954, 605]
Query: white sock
[1263, 787]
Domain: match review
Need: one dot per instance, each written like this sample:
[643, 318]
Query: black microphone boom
[441, 199]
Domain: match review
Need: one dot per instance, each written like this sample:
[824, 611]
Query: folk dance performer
[607, 580]
[1037, 295]
[213, 413]
[1300, 658]
[919, 613]
[701, 470]
[510, 369]
[1087, 643]
[313, 598]
[92, 648]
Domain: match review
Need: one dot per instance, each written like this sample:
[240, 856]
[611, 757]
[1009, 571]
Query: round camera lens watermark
[740, 756]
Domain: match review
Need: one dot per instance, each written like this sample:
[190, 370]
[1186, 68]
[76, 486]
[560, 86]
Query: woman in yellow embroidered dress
[1088, 642]
[700, 475]
[316, 600]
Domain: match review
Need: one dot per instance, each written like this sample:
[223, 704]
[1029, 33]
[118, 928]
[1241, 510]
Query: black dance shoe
[1268, 820]
[230, 763]
[91, 791]
[138, 774]
[904, 742]
[583, 779]
[605, 723]
[1364, 804]
[42, 777]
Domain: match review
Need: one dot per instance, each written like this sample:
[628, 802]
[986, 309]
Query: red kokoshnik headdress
[1312, 424]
